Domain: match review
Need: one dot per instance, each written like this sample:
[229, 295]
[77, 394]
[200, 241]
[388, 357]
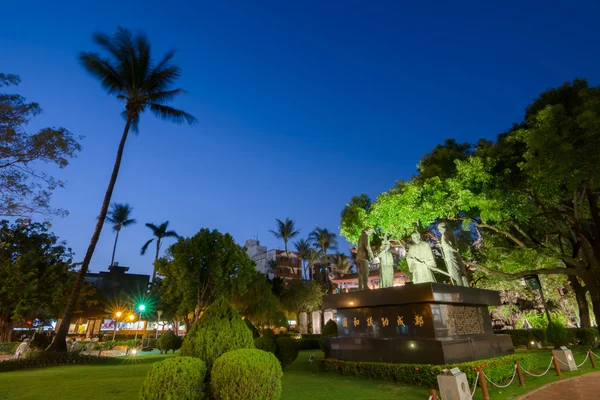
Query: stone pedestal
[430, 323]
[327, 315]
[454, 387]
[303, 323]
[316, 322]
[566, 362]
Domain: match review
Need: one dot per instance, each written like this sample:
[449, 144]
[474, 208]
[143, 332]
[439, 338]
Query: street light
[158, 313]
[117, 316]
[141, 309]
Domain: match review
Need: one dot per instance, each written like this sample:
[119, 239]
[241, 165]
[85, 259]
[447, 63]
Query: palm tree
[286, 231]
[160, 232]
[324, 240]
[341, 265]
[129, 73]
[312, 257]
[118, 216]
[303, 248]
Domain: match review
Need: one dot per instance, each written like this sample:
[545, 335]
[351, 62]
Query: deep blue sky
[301, 105]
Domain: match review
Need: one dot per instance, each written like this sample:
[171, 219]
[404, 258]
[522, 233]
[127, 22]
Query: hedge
[524, 337]
[308, 344]
[265, 343]
[246, 374]
[287, 351]
[36, 359]
[175, 378]
[8, 347]
[496, 369]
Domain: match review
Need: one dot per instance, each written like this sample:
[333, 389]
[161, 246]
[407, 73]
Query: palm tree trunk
[112, 260]
[59, 343]
[155, 258]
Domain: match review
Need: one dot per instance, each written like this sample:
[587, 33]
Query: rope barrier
[587, 355]
[474, 386]
[508, 384]
[537, 376]
[597, 356]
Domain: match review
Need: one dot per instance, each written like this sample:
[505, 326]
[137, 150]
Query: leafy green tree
[258, 304]
[342, 265]
[129, 73]
[199, 269]
[286, 230]
[302, 296]
[35, 271]
[354, 217]
[160, 232]
[119, 217]
[24, 188]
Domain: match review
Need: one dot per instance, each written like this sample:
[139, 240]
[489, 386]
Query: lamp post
[141, 309]
[117, 316]
[158, 313]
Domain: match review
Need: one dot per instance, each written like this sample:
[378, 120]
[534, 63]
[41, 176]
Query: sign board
[563, 348]
[455, 371]
[533, 282]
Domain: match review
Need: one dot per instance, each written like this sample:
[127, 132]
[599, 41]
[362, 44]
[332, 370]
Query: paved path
[585, 387]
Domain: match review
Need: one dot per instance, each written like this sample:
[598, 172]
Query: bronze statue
[386, 264]
[420, 260]
[364, 257]
[454, 262]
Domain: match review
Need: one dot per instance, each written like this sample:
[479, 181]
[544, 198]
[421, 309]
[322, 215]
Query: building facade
[287, 266]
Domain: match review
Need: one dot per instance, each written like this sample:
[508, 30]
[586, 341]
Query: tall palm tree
[286, 231]
[303, 249]
[341, 265]
[324, 241]
[128, 72]
[118, 216]
[160, 232]
[313, 257]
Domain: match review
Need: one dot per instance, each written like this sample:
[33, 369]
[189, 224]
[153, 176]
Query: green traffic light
[142, 307]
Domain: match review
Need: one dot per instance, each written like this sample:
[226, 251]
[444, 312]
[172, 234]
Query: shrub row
[8, 347]
[308, 344]
[524, 337]
[496, 369]
[36, 359]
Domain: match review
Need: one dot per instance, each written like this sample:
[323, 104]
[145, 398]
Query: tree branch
[522, 274]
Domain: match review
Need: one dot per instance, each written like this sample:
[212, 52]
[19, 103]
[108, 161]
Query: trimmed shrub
[47, 359]
[587, 336]
[246, 374]
[287, 351]
[175, 378]
[220, 329]
[169, 341]
[557, 335]
[45, 356]
[330, 329]
[269, 333]
[250, 325]
[308, 344]
[266, 344]
[8, 347]
[497, 369]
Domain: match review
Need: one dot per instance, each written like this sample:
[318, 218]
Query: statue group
[420, 258]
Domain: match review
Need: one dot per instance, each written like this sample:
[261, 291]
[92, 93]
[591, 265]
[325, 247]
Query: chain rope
[474, 386]
[537, 376]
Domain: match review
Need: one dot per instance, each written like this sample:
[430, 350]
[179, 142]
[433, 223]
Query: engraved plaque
[463, 320]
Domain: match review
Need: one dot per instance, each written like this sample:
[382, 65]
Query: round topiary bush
[175, 378]
[246, 374]
[266, 343]
[220, 329]
[169, 341]
[287, 351]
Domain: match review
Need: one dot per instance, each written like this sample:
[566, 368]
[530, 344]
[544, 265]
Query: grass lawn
[301, 381]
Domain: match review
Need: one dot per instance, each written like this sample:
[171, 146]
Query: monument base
[418, 350]
[427, 323]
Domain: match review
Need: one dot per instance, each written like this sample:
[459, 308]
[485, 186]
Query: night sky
[300, 105]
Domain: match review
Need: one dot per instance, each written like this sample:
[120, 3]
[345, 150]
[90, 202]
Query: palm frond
[171, 234]
[100, 68]
[145, 246]
[160, 97]
[171, 114]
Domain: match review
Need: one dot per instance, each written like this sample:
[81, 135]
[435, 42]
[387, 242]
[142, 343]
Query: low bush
[330, 329]
[308, 344]
[175, 378]
[265, 343]
[287, 351]
[269, 333]
[524, 337]
[220, 329]
[496, 369]
[34, 359]
[169, 341]
[246, 374]
[40, 341]
[587, 336]
[8, 347]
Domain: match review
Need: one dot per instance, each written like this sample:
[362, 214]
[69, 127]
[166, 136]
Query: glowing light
[142, 307]
[131, 317]
[532, 343]
[134, 352]
[412, 345]
[118, 314]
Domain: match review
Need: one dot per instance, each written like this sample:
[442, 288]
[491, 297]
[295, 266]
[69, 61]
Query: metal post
[545, 305]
